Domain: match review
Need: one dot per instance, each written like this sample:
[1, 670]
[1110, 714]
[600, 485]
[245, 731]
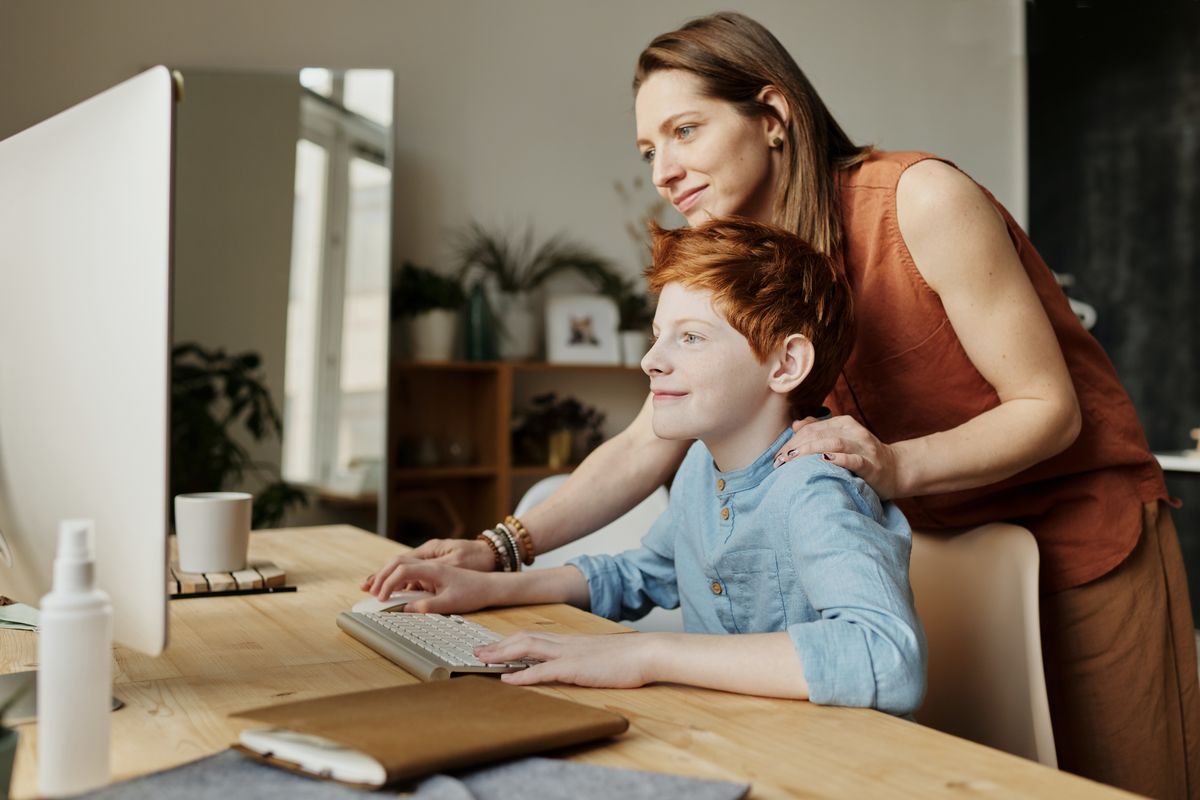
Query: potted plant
[556, 432]
[429, 304]
[214, 394]
[517, 268]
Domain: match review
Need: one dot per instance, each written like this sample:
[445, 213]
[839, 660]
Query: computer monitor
[85, 340]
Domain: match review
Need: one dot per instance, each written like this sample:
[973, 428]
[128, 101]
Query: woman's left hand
[614, 661]
[845, 442]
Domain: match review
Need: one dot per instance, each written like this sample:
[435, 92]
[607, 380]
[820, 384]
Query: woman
[973, 394]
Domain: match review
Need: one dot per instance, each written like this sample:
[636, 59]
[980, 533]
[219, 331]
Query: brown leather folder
[425, 728]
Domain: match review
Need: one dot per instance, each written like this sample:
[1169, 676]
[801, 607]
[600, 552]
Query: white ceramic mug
[212, 530]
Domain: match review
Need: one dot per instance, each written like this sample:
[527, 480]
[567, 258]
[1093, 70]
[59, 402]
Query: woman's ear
[794, 360]
[777, 123]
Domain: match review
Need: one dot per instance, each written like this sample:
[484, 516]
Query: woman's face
[706, 159]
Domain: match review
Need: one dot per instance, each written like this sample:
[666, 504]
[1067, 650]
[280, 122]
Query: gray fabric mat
[230, 775]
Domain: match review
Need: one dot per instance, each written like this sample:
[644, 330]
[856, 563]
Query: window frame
[344, 135]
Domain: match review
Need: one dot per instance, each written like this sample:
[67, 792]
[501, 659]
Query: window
[336, 373]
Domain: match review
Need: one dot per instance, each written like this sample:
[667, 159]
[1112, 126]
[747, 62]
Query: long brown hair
[735, 58]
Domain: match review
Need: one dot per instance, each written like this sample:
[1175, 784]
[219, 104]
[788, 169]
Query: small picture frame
[581, 329]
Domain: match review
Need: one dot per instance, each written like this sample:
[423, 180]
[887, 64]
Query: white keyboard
[431, 646]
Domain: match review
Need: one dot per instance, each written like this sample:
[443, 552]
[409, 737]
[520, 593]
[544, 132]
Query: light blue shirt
[807, 548]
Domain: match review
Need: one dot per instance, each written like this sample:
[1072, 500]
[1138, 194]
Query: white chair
[977, 596]
[624, 533]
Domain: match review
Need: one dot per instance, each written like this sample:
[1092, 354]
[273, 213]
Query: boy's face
[706, 381]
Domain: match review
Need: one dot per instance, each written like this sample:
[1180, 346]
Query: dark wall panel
[1114, 124]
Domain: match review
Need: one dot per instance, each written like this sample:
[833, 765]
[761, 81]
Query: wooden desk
[233, 653]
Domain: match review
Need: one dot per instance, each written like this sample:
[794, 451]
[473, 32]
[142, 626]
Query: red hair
[768, 284]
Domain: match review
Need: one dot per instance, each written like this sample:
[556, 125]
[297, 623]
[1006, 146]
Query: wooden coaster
[257, 575]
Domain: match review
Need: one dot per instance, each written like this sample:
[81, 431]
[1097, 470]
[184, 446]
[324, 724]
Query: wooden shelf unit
[432, 404]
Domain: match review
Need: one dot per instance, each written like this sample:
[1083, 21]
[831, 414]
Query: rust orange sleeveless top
[909, 376]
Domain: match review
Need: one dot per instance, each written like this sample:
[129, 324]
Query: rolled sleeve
[834, 655]
[630, 584]
[868, 648]
[604, 584]
[847, 663]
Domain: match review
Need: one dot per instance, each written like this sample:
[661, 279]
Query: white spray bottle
[74, 680]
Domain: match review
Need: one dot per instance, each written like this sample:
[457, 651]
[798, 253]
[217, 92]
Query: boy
[803, 563]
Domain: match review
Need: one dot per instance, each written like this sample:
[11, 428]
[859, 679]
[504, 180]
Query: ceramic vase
[518, 326]
[480, 327]
[559, 445]
[432, 335]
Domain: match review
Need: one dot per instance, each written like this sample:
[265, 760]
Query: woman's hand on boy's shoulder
[612, 661]
[845, 442]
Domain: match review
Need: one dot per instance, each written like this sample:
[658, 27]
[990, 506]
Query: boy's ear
[793, 361]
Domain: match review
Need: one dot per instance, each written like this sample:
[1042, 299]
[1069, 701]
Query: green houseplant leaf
[416, 290]
[214, 395]
[518, 264]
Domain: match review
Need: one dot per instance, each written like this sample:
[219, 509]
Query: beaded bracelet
[503, 560]
[523, 536]
[496, 552]
[519, 554]
[510, 542]
[514, 549]
[512, 561]
[504, 542]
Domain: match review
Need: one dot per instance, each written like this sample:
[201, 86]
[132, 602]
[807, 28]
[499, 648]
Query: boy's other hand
[613, 661]
[845, 442]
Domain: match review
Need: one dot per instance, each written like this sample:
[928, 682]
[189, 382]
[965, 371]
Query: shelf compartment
[442, 473]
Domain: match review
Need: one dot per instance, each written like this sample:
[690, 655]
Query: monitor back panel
[85, 245]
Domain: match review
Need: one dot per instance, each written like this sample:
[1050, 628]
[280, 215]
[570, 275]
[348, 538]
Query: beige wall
[516, 111]
[235, 170]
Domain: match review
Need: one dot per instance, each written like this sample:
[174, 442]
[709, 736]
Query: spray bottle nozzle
[76, 540]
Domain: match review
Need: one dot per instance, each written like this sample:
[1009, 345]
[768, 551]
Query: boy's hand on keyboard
[614, 661]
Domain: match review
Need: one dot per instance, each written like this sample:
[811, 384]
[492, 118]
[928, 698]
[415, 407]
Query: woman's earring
[776, 143]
